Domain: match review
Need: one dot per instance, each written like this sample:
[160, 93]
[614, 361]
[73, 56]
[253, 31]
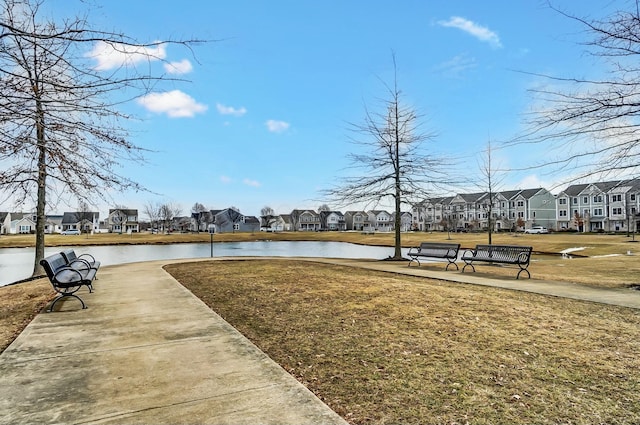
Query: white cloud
[476, 30]
[277, 126]
[252, 183]
[115, 55]
[454, 67]
[175, 104]
[230, 110]
[225, 179]
[182, 67]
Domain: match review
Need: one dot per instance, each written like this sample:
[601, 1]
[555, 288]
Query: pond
[17, 263]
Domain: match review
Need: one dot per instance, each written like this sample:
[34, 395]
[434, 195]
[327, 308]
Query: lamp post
[212, 230]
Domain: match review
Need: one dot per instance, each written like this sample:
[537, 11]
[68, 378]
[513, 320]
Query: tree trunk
[42, 183]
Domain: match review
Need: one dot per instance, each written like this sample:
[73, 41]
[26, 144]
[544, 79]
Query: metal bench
[502, 254]
[436, 250]
[67, 280]
[78, 262]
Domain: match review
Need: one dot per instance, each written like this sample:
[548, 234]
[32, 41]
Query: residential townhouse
[471, 211]
[606, 206]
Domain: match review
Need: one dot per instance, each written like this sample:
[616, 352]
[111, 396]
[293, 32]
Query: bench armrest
[471, 252]
[82, 262]
[90, 260]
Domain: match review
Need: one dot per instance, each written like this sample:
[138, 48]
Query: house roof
[124, 210]
[76, 217]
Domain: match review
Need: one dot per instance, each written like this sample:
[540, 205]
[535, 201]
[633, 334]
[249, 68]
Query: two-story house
[332, 221]
[357, 220]
[122, 220]
[380, 220]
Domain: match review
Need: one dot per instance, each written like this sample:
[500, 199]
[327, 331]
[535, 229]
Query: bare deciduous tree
[267, 216]
[167, 212]
[152, 211]
[591, 124]
[200, 214]
[61, 128]
[490, 180]
[395, 166]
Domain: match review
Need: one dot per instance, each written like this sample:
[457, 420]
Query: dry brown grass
[382, 348]
[20, 303]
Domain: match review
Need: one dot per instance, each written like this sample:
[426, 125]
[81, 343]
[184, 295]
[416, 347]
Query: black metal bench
[436, 250]
[502, 254]
[79, 262]
[67, 280]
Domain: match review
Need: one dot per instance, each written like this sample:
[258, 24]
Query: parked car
[537, 229]
[70, 232]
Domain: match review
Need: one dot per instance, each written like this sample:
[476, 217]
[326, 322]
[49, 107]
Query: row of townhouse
[609, 206]
[118, 221]
[312, 221]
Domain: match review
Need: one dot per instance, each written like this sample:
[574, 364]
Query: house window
[585, 212]
[521, 214]
[597, 198]
[633, 197]
[585, 199]
[616, 198]
[562, 201]
[236, 226]
[597, 212]
[521, 203]
[563, 213]
[617, 211]
[534, 214]
[575, 201]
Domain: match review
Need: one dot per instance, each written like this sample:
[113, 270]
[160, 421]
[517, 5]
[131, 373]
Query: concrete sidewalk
[624, 297]
[145, 351]
[148, 351]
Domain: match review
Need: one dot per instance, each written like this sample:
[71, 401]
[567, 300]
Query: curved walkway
[148, 351]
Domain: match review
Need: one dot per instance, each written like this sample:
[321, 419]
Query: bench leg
[450, 263]
[468, 264]
[523, 269]
[61, 296]
[412, 260]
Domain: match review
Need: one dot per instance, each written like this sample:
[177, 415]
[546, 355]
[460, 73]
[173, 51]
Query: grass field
[381, 348]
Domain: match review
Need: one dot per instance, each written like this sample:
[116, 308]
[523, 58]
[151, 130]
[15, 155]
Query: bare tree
[490, 180]
[592, 123]
[395, 167]
[324, 208]
[267, 216]
[200, 213]
[85, 217]
[61, 130]
[167, 212]
[152, 211]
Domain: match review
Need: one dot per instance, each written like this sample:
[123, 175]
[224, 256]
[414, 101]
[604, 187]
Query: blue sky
[263, 119]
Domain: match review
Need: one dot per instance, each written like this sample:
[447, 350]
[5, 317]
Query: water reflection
[17, 263]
